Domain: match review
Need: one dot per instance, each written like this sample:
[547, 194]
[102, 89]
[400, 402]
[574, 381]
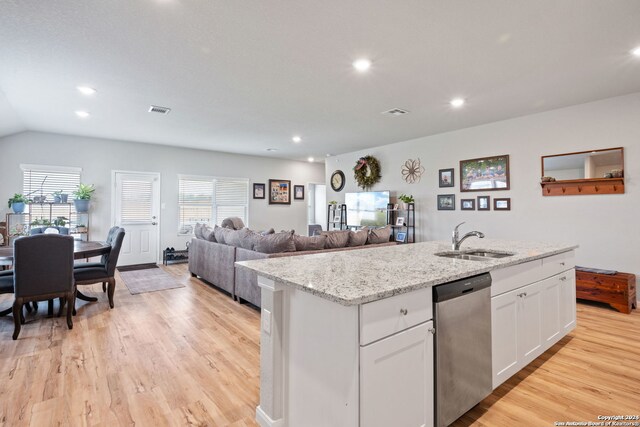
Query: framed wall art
[258, 191]
[484, 203]
[298, 192]
[468, 204]
[279, 192]
[502, 204]
[485, 174]
[446, 202]
[446, 178]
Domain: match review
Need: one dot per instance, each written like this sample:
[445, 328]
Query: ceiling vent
[157, 109]
[395, 112]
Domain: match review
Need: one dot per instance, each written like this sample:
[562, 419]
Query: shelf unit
[175, 256]
[19, 224]
[334, 211]
[409, 224]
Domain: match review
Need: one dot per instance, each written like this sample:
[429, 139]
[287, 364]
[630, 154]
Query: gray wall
[603, 225]
[98, 157]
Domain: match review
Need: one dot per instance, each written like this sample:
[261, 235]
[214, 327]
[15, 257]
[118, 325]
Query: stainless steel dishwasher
[462, 346]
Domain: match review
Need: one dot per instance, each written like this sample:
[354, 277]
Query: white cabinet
[396, 379]
[529, 320]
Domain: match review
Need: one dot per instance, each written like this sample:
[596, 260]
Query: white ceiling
[244, 76]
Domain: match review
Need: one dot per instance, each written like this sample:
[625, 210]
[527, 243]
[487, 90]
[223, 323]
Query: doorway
[136, 208]
[317, 204]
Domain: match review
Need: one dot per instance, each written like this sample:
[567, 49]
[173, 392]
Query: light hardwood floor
[190, 356]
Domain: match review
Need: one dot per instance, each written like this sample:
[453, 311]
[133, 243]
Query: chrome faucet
[456, 241]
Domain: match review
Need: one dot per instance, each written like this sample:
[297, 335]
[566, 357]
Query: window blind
[136, 205]
[44, 181]
[211, 200]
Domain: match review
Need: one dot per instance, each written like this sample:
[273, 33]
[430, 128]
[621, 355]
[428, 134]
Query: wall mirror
[585, 172]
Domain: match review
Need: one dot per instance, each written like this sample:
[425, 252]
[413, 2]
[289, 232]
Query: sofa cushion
[275, 243]
[197, 231]
[244, 238]
[269, 231]
[314, 243]
[207, 233]
[358, 238]
[336, 238]
[221, 233]
[379, 235]
[233, 222]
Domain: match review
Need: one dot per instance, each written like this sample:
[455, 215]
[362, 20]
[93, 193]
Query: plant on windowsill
[17, 202]
[82, 197]
[60, 197]
[60, 221]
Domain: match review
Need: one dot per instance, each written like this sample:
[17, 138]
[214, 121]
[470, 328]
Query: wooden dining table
[81, 250]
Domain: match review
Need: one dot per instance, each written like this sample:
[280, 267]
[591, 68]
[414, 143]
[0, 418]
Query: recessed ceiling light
[82, 114]
[329, 155]
[362, 65]
[272, 149]
[457, 102]
[310, 159]
[636, 51]
[297, 139]
[86, 90]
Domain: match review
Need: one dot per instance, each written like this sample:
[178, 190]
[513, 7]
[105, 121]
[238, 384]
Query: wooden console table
[618, 290]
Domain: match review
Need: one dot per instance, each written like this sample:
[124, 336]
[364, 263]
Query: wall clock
[337, 180]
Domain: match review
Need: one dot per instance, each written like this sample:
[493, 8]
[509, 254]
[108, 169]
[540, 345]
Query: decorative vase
[18, 207]
[82, 205]
[64, 198]
[57, 199]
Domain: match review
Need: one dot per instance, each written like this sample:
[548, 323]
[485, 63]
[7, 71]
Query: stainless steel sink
[477, 255]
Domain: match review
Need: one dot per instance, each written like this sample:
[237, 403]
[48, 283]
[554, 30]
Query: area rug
[137, 267]
[150, 280]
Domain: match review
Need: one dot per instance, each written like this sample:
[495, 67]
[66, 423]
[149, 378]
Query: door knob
[154, 223]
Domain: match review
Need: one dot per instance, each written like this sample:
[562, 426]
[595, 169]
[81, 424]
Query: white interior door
[137, 210]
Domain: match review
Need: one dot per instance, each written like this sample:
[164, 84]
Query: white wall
[605, 226]
[98, 157]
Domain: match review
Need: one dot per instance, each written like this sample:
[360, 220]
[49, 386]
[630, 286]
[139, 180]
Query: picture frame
[446, 202]
[298, 192]
[258, 191]
[446, 178]
[279, 192]
[401, 236]
[502, 204]
[396, 206]
[400, 221]
[337, 218]
[484, 203]
[467, 204]
[485, 174]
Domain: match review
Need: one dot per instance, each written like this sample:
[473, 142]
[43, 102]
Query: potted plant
[82, 197]
[60, 221]
[406, 200]
[17, 202]
[333, 204]
[81, 228]
[60, 197]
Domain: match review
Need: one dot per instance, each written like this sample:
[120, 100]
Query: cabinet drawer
[510, 278]
[558, 263]
[382, 318]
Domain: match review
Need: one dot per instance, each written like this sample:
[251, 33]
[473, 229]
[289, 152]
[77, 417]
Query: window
[40, 180]
[209, 200]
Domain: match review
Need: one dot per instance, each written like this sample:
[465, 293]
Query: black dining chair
[42, 270]
[103, 261]
[6, 287]
[103, 272]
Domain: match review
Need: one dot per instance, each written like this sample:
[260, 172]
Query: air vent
[395, 112]
[157, 109]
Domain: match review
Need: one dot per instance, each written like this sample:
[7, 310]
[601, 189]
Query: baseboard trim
[265, 420]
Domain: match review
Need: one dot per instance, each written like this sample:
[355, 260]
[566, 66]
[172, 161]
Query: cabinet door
[504, 336]
[567, 301]
[529, 322]
[550, 314]
[396, 379]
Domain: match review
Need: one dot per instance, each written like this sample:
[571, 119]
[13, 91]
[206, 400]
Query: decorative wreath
[366, 171]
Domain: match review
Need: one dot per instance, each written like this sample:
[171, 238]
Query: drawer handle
[563, 278]
[403, 311]
[524, 294]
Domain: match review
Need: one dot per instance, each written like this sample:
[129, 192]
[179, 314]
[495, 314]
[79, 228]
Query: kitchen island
[347, 337]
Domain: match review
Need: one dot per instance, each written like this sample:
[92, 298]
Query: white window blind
[210, 200]
[136, 202]
[40, 180]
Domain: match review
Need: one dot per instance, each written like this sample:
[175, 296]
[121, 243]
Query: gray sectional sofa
[214, 262]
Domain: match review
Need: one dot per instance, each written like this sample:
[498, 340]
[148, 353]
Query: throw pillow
[220, 234]
[313, 243]
[244, 238]
[379, 235]
[266, 232]
[233, 222]
[358, 238]
[336, 239]
[207, 233]
[197, 231]
[275, 243]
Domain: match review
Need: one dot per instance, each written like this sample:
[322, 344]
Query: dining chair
[103, 261]
[42, 269]
[103, 272]
[6, 287]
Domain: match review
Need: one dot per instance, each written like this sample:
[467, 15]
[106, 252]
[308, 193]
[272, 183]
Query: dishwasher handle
[461, 287]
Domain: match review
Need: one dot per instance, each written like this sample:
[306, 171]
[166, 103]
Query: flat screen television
[367, 208]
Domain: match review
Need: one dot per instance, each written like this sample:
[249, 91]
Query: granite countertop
[364, 275]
